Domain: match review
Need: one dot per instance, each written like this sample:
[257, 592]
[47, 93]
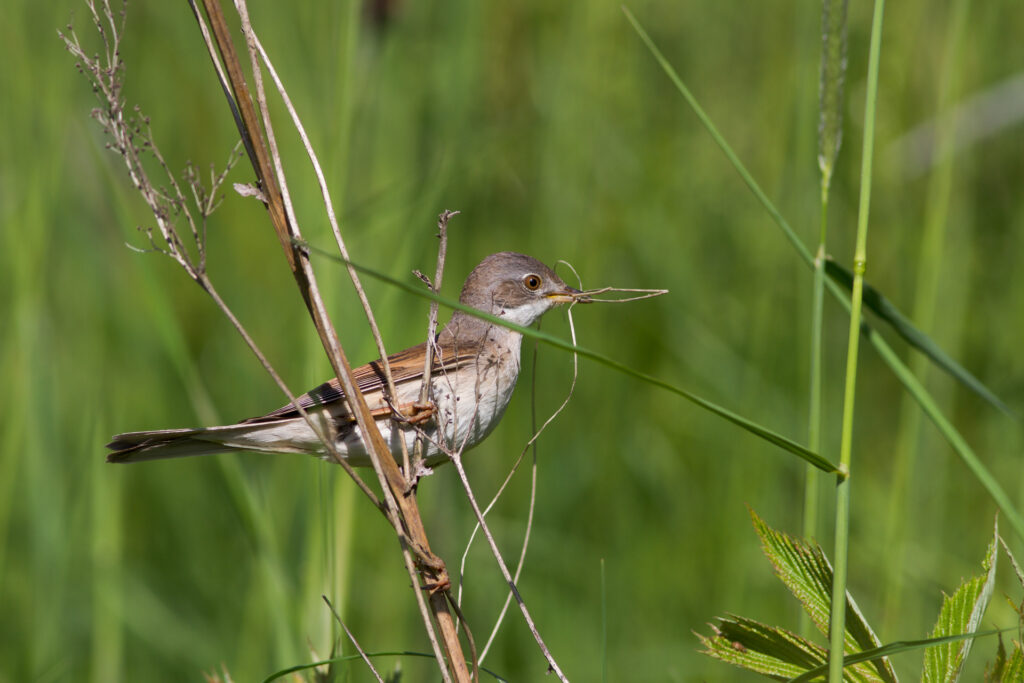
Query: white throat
[525, 314]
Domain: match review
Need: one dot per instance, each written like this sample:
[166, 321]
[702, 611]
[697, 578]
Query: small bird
[475, 367]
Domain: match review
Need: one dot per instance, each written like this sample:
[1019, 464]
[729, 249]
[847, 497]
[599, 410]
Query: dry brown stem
[401, 509]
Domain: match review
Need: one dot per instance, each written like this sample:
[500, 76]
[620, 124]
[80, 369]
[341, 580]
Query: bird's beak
[568, 296]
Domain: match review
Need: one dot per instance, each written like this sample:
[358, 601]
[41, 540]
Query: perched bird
[475, 368]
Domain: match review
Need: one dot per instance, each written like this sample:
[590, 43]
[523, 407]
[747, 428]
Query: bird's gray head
[516, 287]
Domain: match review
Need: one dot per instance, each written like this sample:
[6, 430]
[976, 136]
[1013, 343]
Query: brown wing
[405, 365]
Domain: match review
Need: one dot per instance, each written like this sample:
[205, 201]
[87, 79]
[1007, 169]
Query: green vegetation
[555, 132]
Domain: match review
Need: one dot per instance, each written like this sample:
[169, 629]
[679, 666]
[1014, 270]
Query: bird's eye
[532, 282]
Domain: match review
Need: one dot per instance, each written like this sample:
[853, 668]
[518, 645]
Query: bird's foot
[413, 413]
[443, 585]
[421, 412]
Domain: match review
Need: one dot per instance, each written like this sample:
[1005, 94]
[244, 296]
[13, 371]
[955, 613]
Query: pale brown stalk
[428, 361]
[352, 638]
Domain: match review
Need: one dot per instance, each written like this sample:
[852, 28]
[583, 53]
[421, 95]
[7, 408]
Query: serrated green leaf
[887, 311]
[767, 650]
[994, 673]
[1006, 669]
[1012, 666]
[961, 613]
[808, 574]
[1013, 672]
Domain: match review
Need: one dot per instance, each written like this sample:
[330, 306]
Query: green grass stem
[830, 99]
[812, 484]
[832, 76]
[837, 631]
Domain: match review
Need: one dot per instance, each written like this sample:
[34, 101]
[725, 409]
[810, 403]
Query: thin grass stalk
[926, 293]
[812, 484]
[842, 527]
[456, 459]
[351, 637]
[412, 470]
[830, 138]
[532, 506]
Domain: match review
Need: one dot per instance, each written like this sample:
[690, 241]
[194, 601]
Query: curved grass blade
[884, 309]
[738, 420]
[945, 427]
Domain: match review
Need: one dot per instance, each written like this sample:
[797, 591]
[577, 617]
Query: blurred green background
[555, 133]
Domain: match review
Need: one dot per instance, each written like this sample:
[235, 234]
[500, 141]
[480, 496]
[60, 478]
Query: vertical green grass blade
[842, 522]
[832, 74]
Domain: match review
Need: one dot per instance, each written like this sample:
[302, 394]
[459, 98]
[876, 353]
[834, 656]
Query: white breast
[471, 402]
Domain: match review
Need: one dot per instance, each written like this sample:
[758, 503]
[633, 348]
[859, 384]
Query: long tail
[179, 443]
[160, 444]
